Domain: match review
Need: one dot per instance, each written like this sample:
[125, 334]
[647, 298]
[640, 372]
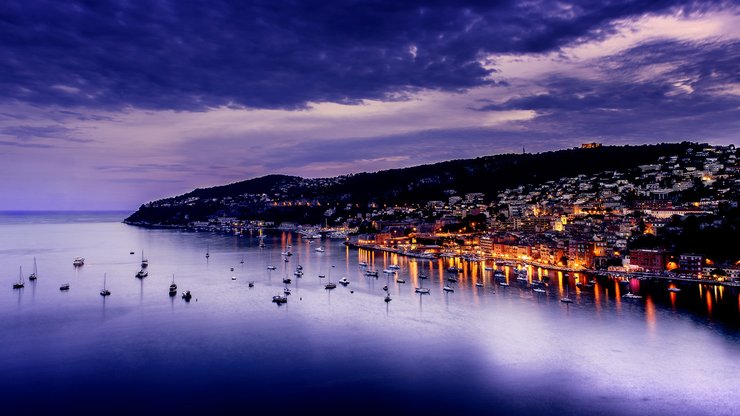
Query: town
[632, 221]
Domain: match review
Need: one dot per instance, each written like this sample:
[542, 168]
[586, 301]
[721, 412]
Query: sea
[486, 350]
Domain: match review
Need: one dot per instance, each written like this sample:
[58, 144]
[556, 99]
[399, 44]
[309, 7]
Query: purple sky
[109, 106]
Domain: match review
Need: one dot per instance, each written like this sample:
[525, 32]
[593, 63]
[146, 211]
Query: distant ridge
[413, 185]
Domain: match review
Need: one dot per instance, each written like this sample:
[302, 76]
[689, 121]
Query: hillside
[291, 198]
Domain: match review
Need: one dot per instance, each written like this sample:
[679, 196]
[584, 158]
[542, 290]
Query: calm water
[478, 350]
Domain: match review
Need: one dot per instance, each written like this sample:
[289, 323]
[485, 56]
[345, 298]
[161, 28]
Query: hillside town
[621, 221]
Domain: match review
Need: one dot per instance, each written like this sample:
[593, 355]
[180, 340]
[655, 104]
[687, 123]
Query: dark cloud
[275, 54]
[26, 134]
[666, 89]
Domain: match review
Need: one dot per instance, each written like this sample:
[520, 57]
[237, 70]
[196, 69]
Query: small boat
[344, 281]
[538, 290]
[504, 284]
[489, 269]
[279, 299]
[232, 269]
[78, 261]
[173, 287]
[142, 274]
[144, 262]
[242, 262]
[286, 260]
[452, 269]
[373, 273]
[400, 280]
[478, 284]
[286, 253]
[319, 249]
[389, 271]
[385, 288]
[363, 264]
[64, 286]
[286, 291]
[321, 276]
[208, 251]
[630, 295]
[498, 274]
[299, 267]
[330, 285]
[298, 273]
[387, 298]
[251, 284]
[674, 289]
[566, 300]
[422, 276]
[233, 277]
[131, 253]
[104, 291]
[448, 289]
[271, 267]
[287, 280]
[452, 279]
[20, 283]
[33, 276]
[394, 267]
[187, 296]
[422, 290]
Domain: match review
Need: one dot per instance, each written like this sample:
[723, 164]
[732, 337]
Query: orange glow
[709, 302]
[650, 313]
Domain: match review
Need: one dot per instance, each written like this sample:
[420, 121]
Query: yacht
[344, 281]
[400, 280]
[64, 286]
[388, 298]
[422, 290]
[287, 280]
[78, 261]
[35, 274]
[422, 276]
[187, 296]
[233, 277]
[104, 291]
[286, 291]
[319, 249]
[448, 289]
[321, 276]
[279, 299]
[566, 300]
[271, 267]
[330, 285]
[20, 283]
[394, 267]
[144, 262]
[142, 274]
[538, 290]
[452, 279]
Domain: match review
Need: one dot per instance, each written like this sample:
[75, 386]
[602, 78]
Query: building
[690, 264]
[652, 261]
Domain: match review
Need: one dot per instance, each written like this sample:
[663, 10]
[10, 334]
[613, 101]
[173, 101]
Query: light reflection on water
[472, 349]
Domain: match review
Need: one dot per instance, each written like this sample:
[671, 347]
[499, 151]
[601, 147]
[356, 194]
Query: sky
[106, 105]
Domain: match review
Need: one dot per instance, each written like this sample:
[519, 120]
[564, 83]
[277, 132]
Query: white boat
[35, 274]
[478, 284]
[448, 289]
[363, 264]
[538, 290]
[504, 284]
[674, 289]
[233, 277]
[319, 249]
[566, 300]
[630, 295]
[344, 281]
[286, 253]
[271, 267]
[78, 261]
[400, 280]
[452, 279]
[489, 269]
[389, 271]
[394, 267]
[422, 290]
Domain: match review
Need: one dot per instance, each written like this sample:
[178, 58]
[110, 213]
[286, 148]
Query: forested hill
[489, 175]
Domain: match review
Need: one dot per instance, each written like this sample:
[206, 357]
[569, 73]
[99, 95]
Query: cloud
[266, 54]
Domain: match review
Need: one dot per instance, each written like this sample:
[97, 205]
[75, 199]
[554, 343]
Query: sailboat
[566, 299]
[104, 291]
[144, 262]
[330, 285]
[421, 289]
[20, 283]
[208, 251]
[173, 287]
[35, 274]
